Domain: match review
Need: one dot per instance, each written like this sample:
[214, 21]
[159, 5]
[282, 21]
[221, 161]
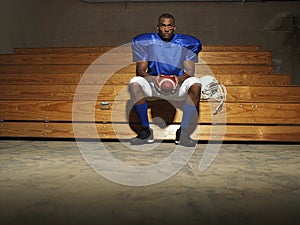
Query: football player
[165, 53]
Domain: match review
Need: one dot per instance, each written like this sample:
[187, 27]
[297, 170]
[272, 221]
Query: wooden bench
[55, 109]
[101, 49]
[122, 58]
[124, 78]
[107, 69]
[37, 97]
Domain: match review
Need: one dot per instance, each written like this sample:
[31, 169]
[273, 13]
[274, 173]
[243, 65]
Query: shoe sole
[185, 145]
[151, 141]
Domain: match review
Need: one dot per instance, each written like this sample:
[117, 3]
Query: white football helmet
[212, 89]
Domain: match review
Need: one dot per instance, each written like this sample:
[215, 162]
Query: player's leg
[192, 88]
[139, 88]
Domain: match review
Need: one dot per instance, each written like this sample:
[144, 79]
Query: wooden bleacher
[38, 95]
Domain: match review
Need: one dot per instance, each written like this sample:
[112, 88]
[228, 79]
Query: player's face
[166, 28]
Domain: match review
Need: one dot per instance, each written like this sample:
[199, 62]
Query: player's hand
[154, 80]
[177, 81]
[157, 78]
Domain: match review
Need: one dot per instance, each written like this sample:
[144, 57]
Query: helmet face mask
[212, 89]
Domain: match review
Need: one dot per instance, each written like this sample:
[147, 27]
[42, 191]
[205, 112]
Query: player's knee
[134, 84]
[134, 88]
[136, 80]
[195, 89]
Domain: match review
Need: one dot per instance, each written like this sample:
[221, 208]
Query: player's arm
[189, 70]
[141, 70]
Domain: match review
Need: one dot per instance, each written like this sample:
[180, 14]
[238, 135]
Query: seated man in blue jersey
[165, 53]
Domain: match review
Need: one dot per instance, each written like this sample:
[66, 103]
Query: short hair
[166, 15]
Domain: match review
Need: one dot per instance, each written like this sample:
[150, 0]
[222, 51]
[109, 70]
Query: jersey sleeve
[139, 50]
[193, 51]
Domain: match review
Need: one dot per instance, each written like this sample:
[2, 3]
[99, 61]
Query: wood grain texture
[123, 79]
[232, 113]
[107, 131]
[279, 94]
[99, 49]
[124, 58]
[40, 96]
[110, 69]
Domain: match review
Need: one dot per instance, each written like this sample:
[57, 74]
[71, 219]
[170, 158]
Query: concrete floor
[49, 182]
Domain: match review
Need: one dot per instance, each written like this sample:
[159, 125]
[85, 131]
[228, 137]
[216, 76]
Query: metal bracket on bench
[46, 126]
[105, 105]
[46, 122]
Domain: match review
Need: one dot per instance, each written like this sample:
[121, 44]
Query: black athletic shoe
[145, 136]
[182, 138]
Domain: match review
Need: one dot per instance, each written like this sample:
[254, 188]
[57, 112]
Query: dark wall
[273, 25]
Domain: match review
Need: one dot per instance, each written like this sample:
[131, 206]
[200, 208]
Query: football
[167, 84]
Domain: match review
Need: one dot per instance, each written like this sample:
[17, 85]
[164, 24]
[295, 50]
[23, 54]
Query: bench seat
[267, 133]
[111, 69]
[210, 58]
[123, 79]
[101, 49]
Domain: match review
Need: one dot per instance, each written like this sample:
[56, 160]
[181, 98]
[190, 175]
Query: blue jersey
[165, 57]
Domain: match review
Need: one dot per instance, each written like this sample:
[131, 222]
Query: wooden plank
[263, 94]
[260, 57]
[47, 69]
[110, 69]
[231, 48]
[123, 79]
[54, 59]
[236, 58]
[233, 113]
[99, 49]
[107, 131]
[254, 79]
[41, 79]
[278, 94]
[64, 50]
[233, 69]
